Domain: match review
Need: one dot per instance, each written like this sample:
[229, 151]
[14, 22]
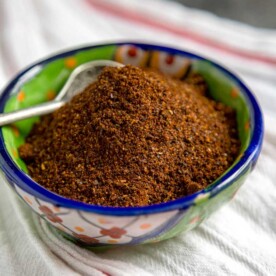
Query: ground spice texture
[133, 138]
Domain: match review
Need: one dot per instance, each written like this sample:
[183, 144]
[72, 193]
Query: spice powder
[133, 138]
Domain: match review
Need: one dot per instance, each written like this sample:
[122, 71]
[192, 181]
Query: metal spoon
[78, 80]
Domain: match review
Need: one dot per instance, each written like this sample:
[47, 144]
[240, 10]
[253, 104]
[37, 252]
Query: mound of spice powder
[133, 138]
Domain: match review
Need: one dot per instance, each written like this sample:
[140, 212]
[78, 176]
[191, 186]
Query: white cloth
[239, 239]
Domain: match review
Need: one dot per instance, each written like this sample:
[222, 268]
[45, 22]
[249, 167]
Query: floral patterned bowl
[96, 225]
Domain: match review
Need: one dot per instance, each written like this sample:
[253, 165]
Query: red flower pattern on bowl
[114, 232]
[50, 215]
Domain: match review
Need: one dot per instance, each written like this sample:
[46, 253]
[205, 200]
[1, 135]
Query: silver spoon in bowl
[82, 76]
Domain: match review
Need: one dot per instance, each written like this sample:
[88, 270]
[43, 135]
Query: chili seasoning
[133, 138]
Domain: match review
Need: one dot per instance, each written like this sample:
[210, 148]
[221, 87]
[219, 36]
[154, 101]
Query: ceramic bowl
[95, 225]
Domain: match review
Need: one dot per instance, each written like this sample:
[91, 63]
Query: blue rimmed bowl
[96, 225]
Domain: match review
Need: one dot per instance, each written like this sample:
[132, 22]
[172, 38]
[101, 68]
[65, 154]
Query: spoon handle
[42, 109]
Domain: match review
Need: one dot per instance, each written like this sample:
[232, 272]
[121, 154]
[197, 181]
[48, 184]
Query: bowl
[92, 225]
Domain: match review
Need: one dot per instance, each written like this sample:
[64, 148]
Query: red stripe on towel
[139, 18]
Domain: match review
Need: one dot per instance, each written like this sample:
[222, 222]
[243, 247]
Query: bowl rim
[251, 153]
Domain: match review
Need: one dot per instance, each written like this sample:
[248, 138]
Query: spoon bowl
[82, 76]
